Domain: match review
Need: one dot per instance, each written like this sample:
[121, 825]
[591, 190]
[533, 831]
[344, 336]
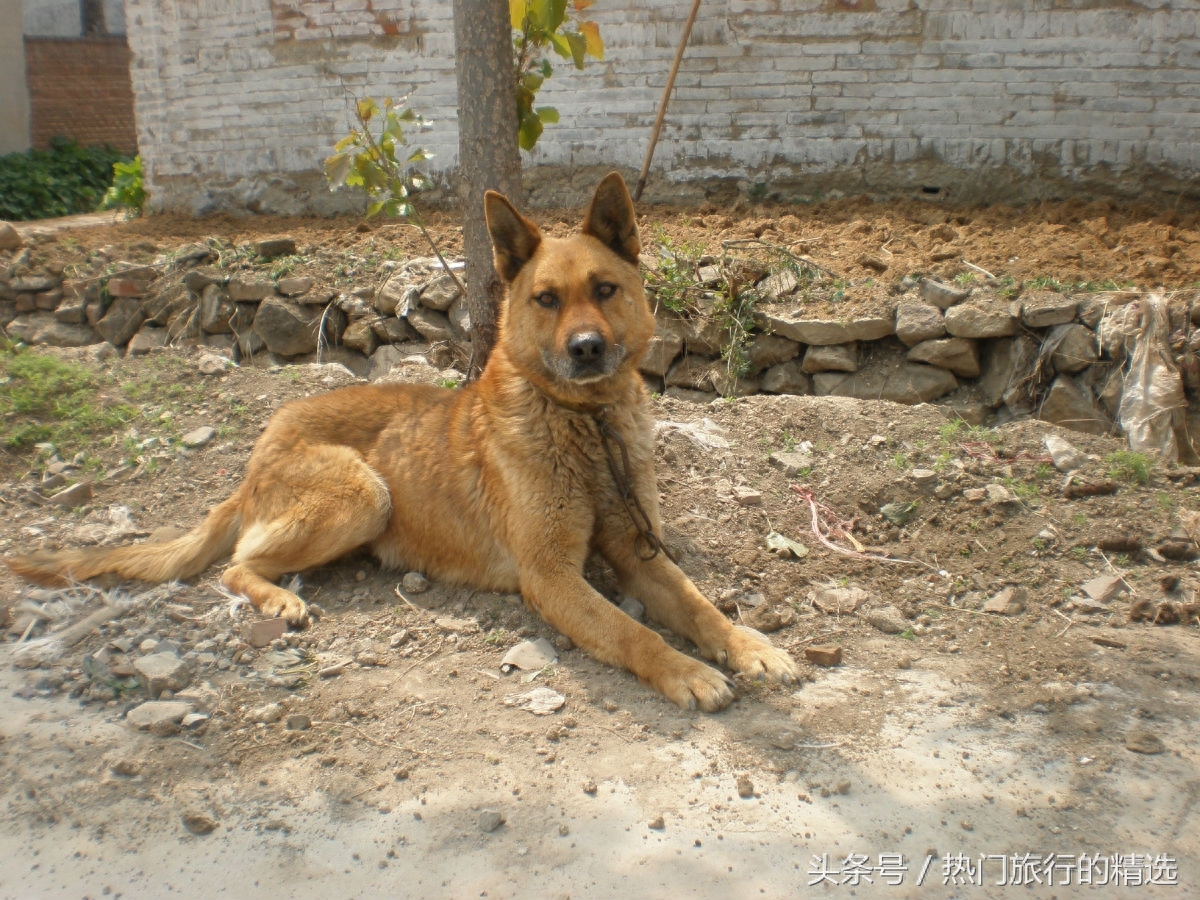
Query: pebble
[160, 672]
[887, 619]
[74, 496]
[1139, 740]
[160, 717]
[298, 722]
[213, 364]
[745, 787]
[490, 820]
[657, 824]
[823, 655]
[198, 437]
[199, 822]
[265, 714]
[414, 583]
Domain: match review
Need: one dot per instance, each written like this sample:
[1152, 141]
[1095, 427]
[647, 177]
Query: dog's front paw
[692, 684]
[750, 654]
[289, 606]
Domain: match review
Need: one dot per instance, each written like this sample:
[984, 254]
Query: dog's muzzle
[588, 356]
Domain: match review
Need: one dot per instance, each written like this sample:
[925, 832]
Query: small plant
[675, 281]
[899, 460]
[953, 431]
[127, 191]
[450, 383]
[382, 165]
[539, 25]
[964, 279]
[1130, 465]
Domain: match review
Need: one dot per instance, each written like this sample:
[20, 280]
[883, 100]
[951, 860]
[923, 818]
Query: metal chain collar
[647, 544]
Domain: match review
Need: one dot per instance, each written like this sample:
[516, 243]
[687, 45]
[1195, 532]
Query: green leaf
[560, 45]
[337, 169]
[578, 45]
[529, 132]
[374, 207]
[547, 114]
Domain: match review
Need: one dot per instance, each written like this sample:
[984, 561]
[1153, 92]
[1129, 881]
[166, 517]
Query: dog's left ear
[611, 219]
[514, 238]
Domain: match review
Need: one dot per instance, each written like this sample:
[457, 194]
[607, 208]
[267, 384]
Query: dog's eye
[547, 299]
[604, 290]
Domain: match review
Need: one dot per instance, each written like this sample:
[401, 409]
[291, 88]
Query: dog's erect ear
[611, 220]
[514, 238]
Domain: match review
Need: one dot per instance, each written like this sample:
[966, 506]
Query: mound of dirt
[1017, 676]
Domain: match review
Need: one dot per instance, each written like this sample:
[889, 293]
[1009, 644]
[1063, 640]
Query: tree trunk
[488, 157]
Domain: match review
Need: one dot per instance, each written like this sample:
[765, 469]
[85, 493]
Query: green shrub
[61, 181]
[127, 191]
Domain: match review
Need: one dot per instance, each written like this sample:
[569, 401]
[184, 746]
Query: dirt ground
[954, 752]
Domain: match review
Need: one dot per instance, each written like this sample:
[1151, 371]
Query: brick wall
[970, 99]
[80, 88]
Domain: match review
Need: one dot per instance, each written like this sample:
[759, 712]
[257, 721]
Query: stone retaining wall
[991, 353]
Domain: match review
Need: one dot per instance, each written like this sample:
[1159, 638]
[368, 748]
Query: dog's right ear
[514, 238]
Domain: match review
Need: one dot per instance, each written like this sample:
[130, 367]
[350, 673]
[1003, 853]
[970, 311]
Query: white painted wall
[239, 100]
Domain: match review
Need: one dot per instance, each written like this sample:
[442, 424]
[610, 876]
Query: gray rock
[664, 347]
[1104, 588]
[767, 350]
[791, 462]
[460, 321]
[1067, 457]
[395, 296]
[360, 336]
[1071, 406]
[390, 330]
[786, 378]
[916, 322]
[943, 296]
[216, 309]
[823, 332]
[10, 238]
[33, 284]
[243, 290]
[160, 672]
[490, 820]
[74, 496]
[1010, 601]
[981, 321]
[147, 339]
[161, 717]
[440, 293]
[414, 583]
[267, 714]
[1042, 309]
[286, 327]
[198, 437]
[195, 280]
[43, 328]
[273, 247]
[831, 358]
[1140, 740]
[121, 322]
[1076, 348]
[692, 372]
[777, 284]
[958, 355]
[432, 325]
[71, 312]
[887, 619]
[1003, 366]
[294, 286]
[908, 383]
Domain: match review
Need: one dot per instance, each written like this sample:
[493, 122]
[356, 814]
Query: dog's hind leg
[301, 514]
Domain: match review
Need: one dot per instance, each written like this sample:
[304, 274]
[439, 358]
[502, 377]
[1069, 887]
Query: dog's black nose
[586, 347]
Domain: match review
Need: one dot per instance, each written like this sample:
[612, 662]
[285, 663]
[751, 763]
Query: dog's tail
[178, 559]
